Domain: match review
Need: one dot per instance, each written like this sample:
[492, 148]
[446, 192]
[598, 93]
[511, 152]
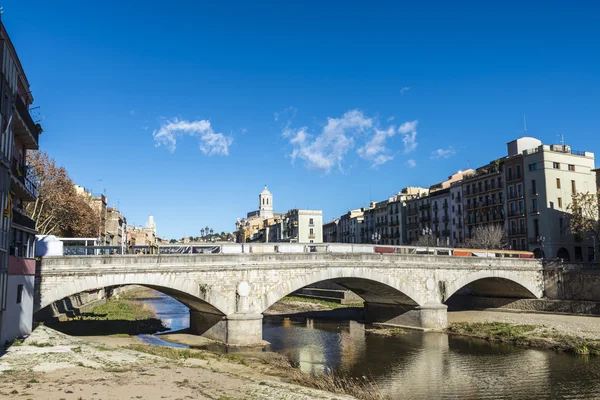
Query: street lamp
[427, 232]
[541, 240]
[376, 237]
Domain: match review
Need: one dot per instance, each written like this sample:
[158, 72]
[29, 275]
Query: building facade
[142, 235]
[553, 174]
[19, 134]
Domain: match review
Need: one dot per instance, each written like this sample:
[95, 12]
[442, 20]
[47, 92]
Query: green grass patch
[124, 335]
[325, 303]
[122, 310]
[172, 353]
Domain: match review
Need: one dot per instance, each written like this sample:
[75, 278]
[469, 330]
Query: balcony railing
[533, 192]
[28, 121]
[24, 174]
[534, 210]
[23, 220]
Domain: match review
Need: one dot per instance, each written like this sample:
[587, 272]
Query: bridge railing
[265, 248]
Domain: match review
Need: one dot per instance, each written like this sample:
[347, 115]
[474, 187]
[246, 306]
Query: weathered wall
[572, 284]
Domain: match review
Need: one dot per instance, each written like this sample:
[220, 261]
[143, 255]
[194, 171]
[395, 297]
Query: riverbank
[568, 333]
[63, 367]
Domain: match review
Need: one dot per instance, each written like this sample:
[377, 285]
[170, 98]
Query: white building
[553, 173]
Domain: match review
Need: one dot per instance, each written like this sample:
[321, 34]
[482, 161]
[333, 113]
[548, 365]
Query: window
[561, 225]
[311, 222]
[19, 294]
[556, 165]
[552, 205]
[532, 167]
[521, 207]
[560, 202]
[558, 183]
[571, 168]
[509, 173]
[573, 187]
[523, 244]
[518, 172]
[312, 231]
[514, 244]
[578, 253]
[536, 227]
[520, 190]
[533, 187]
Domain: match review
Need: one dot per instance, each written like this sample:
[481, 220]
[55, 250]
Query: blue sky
[185, 110]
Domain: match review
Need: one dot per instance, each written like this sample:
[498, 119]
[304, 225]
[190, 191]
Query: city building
[19, 134]
[330, 231]
[266, 226]
[116, 228]
[552, 175]
[142, 235]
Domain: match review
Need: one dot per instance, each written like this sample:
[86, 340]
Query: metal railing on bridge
[265, 248]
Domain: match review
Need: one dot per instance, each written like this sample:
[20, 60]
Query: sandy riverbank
[55, 366]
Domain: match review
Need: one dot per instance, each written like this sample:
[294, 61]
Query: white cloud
[409, 138]
[327, 149]
[132, 112]
[404, 89]
[443, 153]
[211, 143]
[390, 119]
[411, 163]
[289, 112]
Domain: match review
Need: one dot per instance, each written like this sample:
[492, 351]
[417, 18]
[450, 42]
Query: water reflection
[434, 365]
[420, 365]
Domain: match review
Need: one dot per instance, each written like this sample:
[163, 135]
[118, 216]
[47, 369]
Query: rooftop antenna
[562, 138]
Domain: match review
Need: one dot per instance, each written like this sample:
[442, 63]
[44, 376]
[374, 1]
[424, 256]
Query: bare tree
[584, 220]
[488, 237]
[428, 240]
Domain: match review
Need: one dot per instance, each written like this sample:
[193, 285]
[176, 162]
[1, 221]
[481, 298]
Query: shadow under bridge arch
[386, 300]
[478, 291]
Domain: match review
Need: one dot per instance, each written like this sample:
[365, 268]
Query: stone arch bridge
[227, 293]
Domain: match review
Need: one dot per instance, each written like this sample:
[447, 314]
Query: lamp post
[376, 237]
[427, 232]
[541, 240]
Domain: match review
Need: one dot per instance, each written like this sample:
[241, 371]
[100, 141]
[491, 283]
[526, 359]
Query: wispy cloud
[404, 89]
[132, 112]
[409, 138]
[328, 148]
[211, 143]
[443, 153]
[411, 163]
[390, 119]
[288, 112]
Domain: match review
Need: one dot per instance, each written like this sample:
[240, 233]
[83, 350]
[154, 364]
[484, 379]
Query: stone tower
[265, 203]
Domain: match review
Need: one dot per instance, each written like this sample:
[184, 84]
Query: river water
[418, 365]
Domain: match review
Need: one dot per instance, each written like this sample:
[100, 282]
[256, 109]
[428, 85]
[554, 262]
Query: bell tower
[265, 203]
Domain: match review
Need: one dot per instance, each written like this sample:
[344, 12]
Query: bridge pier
[430, 316]
[234, 330]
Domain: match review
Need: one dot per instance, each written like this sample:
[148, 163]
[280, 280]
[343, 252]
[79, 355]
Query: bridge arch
[372, 285]
[495, 283]
[181, 289]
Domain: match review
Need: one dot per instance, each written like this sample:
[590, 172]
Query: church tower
[265, 203]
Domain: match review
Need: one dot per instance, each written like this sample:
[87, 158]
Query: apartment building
[19, 134]
[483, 194]
[395, 217]
[440, 216]
[553, 173]
[142, 235]
[516, 197]
[351, 226]
[116, 228]
[330, 231]
[457, 232]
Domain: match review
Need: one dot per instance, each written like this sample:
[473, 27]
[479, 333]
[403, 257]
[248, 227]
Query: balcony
[425, 218]
[411, 211]
[517, 231]
[516, 213]
[23, 182]
[446, 233]
[533, 192]
[23, 220]
[458, 198]
[534, 210]
[25, 129]
[445, 205]
[424, 207]
[311, 236]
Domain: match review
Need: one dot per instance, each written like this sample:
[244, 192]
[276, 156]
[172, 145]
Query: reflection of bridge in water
[228, 292]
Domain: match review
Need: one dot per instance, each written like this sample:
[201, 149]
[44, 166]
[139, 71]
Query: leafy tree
[173, 241]
[489, 237]
[59, 209]
[584, 220]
